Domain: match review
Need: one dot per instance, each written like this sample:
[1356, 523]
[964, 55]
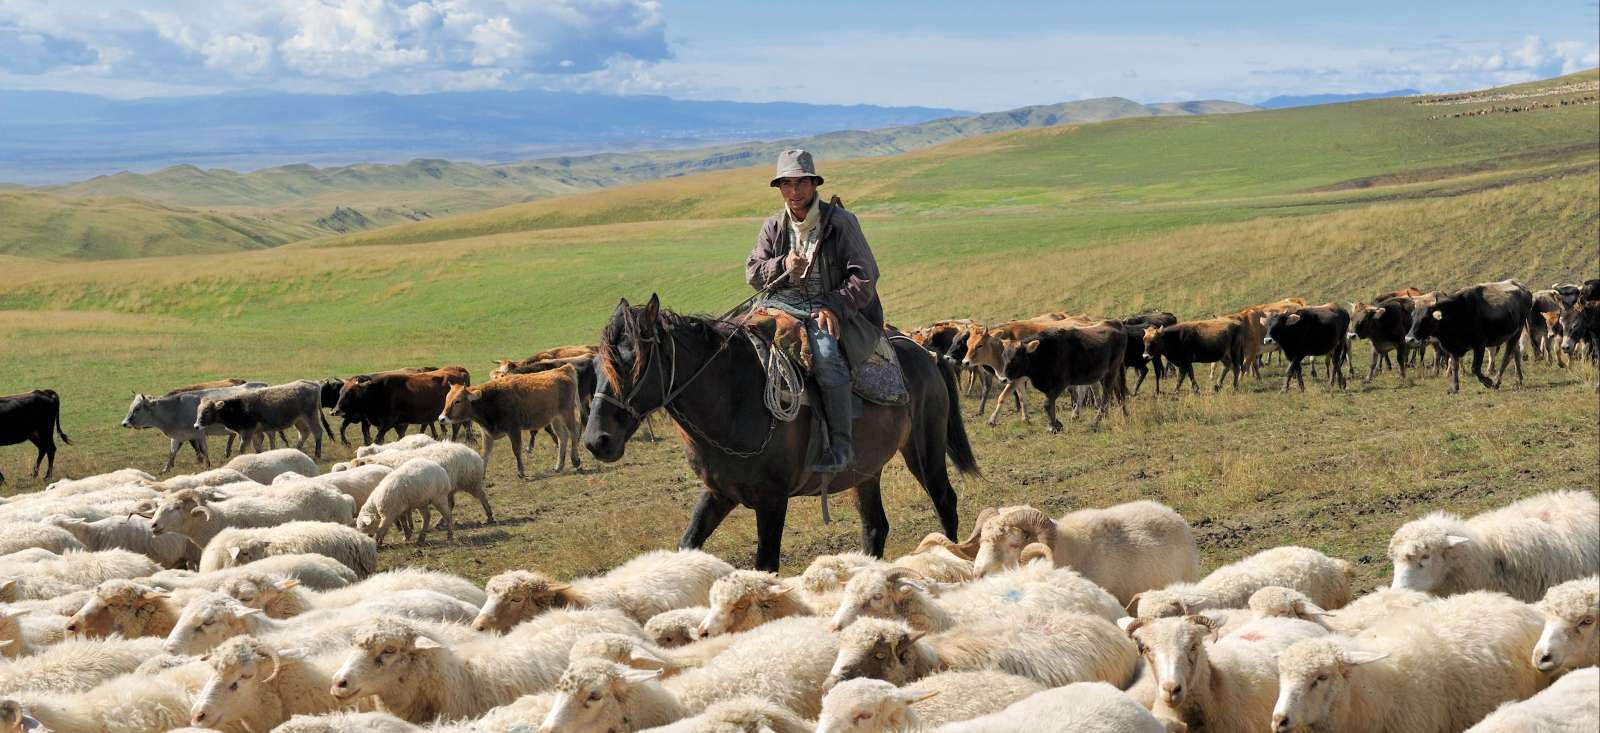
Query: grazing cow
[505, 366]
[1133, 327]
[1473, 319]
[297, 404]
[1384, 324]
[1057, 359]
[513, 403]
[1214, 340]
[587, 379]
[1538, 327]
[31, 416]
[1311, 331]
[391, 401]
[175, 414]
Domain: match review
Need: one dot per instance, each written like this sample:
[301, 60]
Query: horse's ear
[622, 307]
[652, 308]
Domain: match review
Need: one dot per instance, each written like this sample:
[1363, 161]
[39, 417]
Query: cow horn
[1042, 526]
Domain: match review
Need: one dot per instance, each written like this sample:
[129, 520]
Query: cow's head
[1152, 344]
[502, 368]
[1276, 325]
[1366, 319]
[977, 338]
[458, 403]
[210, 413]
[329, 391]
[351, 394]
[139, 414]
[1014, 357]
[1425, 323]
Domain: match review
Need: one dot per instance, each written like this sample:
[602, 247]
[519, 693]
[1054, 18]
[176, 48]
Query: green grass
[1193, 215]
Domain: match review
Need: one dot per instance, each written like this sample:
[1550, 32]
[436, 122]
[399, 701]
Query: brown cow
[1403, 293]
[511, 404]
[393, 401]
[986, 349]
[506, 366]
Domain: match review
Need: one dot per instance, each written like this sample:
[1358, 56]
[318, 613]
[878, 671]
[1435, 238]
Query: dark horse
[707, 376]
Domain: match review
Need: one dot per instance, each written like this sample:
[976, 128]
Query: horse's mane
[628, 330]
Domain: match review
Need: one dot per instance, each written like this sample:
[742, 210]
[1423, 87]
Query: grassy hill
[44, 225]
[1192, 215]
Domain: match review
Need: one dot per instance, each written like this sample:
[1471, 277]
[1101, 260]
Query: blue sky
[969, 55]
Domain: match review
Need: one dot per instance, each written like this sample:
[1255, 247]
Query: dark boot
[836, 409]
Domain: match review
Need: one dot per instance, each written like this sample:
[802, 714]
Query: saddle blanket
[879, 378]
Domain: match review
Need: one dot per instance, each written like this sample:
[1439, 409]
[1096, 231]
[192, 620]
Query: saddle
[877, 379]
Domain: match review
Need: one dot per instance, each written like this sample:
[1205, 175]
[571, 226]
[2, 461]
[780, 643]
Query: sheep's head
[1313, 676]
[869, 705]
[240, 667]
[11, 631]
[8, 590]
[208, 621]
[620, 648]
[382, 656]
[829, 573]
[1166, 603]
[1569, 639]
[1423, 550]
[1003, 534]
[879, 592]
[177, 511]
[674, 628]
[257, 590]
[876, 648]
[117, 607]
[518, 595]
[1174, 649]
[1278, 602]
[743, 600]
[593, 696]
[246, 551]
[368, 519]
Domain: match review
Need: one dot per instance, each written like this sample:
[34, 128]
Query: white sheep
[131, 533]
[73, 571]
[128, 704]
[24, 633]
[69, 486]
[742, 714]
[76, 664]
[1439, 667]
[1569, 639]
[1571, 705]
[1085, 707]
[212, 618]
[1355, 617]
[1126, 549]
[650, 583]
[1324, 579]
[114, 502]
[201, 516]
[282, 597]
[347, 723]
[876, 706]
[16, 536]
[1055, 649]
[1230, 685]
[409, 442]
[263, 467]
[257, 686]
[675, 628]
[243, 545]
[126, 608]
[642, 654]
[601, 695]
[317, 572]
[213, 477]
[1521, 549]
[357, 483]
[937, 563]
[418, 483]
[745, 599]
[465, 466]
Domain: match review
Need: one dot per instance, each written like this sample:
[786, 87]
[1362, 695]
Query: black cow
[1581, 325]
[1311, 331]
[1070, 357]
[31, 416]
[1384, 324]
[1589, 291]
[1133, 327]
[1198, 342]
[1475, 318]
[266, 411]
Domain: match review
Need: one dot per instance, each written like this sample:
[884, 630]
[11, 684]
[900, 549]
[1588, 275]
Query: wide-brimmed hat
[795, 164]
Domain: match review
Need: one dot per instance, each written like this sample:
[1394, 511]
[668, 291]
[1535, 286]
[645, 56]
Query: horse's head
[629, 380]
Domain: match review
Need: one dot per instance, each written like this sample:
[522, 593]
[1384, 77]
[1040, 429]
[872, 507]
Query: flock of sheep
[1095, 621]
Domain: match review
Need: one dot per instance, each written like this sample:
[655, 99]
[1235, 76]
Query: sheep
[742, 714]
[243, 545]
[317, 572]
[114, 502]
[823, 580]
[15, 536]
[130, 533]
[1571, 705]
[346, 723]
[937, 563]
[1439, 667]
[1084, 707]
[357, 483]
[675, 628]
[201, 516]
[129, 704]
[1569, 639]
[409, 442]
[211, 618]
[282, 597]
[263, 467]
[126, 608]
[1324, 579]
[600, 695]
[257, 686]
[869, 705]
[1357, 616]
[211, 478]
[69, 486]
[1521, 549]
[745, 599]
[24, 633]
[1229, 685]
[419, 675]
[464, 465]
[63, 605]
[76, 664]
[419, 483]
[642, 654]
[70, 572]
[895, 593]
[1055, 649]
[649, 584]
[1126, 549]
[28, 555]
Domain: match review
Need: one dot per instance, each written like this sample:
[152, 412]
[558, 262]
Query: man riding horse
[816, 265]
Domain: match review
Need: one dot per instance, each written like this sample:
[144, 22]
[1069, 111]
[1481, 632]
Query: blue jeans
[827, 361]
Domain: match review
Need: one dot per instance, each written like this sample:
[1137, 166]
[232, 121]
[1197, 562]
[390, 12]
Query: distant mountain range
[1285, 102]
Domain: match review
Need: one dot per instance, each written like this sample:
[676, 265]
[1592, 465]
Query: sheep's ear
[295, 653]
[287, 583]
[1133, 603]
[644, 660]
[778, 589]
[905, 586]
[233, 552]
[912, 637]
[1192, 601]
[244, 612]
[13, 612]
[635, 676]
[1356, 656]
[1452, 540]
[8, 584]
[423, 642]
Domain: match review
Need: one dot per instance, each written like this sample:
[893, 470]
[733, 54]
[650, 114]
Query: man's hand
[828, 321]
[796, 263]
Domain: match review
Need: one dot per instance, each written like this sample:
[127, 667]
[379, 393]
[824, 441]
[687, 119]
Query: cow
[1384, 324]
[1392, 294]
[332, 391]
[174, 414]
[1580, 325]
[1133, 327]
[505, 366]
[32, 416]
[1214, 340]
[587, 379]
[510, 404]
[1253, 333]
[393, 401]
[202, 386]
[1311, 331]
[985, 348]
[266, 410]
[1475, 318]
[1056, 359]
[1537, 330]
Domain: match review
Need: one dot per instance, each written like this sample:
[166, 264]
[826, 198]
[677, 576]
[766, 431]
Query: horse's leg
[874, 523]
[769, 533]
[709, 512]
[924, 455]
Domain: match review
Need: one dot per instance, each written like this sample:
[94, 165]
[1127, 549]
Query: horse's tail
[955, 430]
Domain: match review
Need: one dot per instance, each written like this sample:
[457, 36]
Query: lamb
[24, 633]
[648, 584]
[257, 686]
[1522, 549]
[70, 487]
[419, 483]
[241, 546]
[744, 714]
[130, 533]
[1440, 667]
[282, 597]
[71, 572]
[76, 664]
[1324, 579]
[1571, 705]
[200, 516]
[211, 618]
[869, 706]
[1085, 707]
[263, 467]
[1126, 549]
[418, 675]
[213, 477]
[1360, 614]
[126, 608]
[465, 466]
[317, 572]
[358, 483]
[15, 536]
[1230, 685]
[1037, 587]
[745, 599]
[1054, 649]
[675, 628]
[824, 579]
[1569, 639]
